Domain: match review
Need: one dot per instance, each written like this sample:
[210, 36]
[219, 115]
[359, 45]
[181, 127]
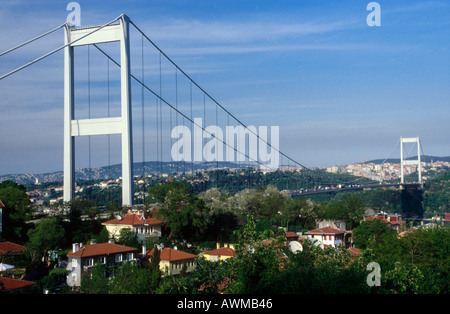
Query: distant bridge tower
[404, 162]
[103, 126]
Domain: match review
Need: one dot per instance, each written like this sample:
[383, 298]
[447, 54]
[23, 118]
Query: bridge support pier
[103, 126]
[404, 162]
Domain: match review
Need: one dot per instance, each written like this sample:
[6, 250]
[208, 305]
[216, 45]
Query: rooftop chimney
[75, 247]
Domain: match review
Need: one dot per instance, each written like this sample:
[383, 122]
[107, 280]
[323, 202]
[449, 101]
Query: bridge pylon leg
[103, 126]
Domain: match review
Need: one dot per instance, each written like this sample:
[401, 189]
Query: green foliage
[17, 210]
[184, 213]
[350, 209]
[95, 281]
[368, 230]
[403, 279]
[47, 235]
[436, 199]
[128, 238]
[130, 278]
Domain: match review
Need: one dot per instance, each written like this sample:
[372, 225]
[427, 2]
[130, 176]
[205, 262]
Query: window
[102, 260]
[118, 258]
[129, 256]
[90, 262]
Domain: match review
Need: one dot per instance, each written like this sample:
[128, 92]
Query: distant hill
[423, 158]
[115, 171]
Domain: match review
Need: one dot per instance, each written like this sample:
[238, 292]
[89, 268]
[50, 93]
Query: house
[6, 247]
[291, 236]
[328, 236]
[220, 253]
[83, 258]
[172, 261]
[339, 224]
[394, 221]
[144, 228]
[11, 285]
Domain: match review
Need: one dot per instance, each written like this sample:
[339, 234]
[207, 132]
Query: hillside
[424, 158]
[115, 171]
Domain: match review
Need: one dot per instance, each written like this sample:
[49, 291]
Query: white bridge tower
[103, 126]
[404, 162]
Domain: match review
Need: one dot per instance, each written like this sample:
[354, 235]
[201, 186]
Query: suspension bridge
[145, 94]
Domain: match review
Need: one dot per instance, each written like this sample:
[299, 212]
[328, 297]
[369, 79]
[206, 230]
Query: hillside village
[173, 261]
[180, 230]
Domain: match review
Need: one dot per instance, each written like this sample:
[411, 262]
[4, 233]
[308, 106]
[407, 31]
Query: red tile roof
[100, 249]
[1, 204]
[170, 255]
[354, 251]
[11, 247]
[133, 220]
[325, 230]
[10, 284]
[291, 234]
[223, 251]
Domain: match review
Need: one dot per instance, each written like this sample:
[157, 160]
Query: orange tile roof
[325, 230]
[101, 249]
[10, 284]
[223, 251]
[291, 234]
[170, 255]
[133, 220]
[11, 247]
[354, 251]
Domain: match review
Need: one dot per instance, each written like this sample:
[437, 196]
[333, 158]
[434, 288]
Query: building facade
[328, 236]
[83, 258]
[143, 228]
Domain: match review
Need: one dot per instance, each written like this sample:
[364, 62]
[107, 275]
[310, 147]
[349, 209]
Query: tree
[350, 209]
[374, 228]
[130, 278]
[47, 235]
[128, 238]
[184, 213]
[403, 279]
[95, 281]
[17, 209]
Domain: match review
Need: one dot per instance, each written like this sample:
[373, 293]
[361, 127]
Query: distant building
[144, 228]
[328, 236]
[82, 258]
[291, 236]
[341, 225]
[395, 221]
[172, 261]
[6, 247]
[11, 285]
[220, 253]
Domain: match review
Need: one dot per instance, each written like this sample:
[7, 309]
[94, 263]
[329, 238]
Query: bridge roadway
[322, 190]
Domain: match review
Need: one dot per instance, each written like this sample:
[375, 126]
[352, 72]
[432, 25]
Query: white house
[328, 236]
[144, 228]
[82, 258]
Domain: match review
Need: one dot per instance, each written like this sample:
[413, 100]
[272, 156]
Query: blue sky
[339, 90]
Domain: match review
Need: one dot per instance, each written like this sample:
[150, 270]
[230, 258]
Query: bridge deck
[350, 188]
